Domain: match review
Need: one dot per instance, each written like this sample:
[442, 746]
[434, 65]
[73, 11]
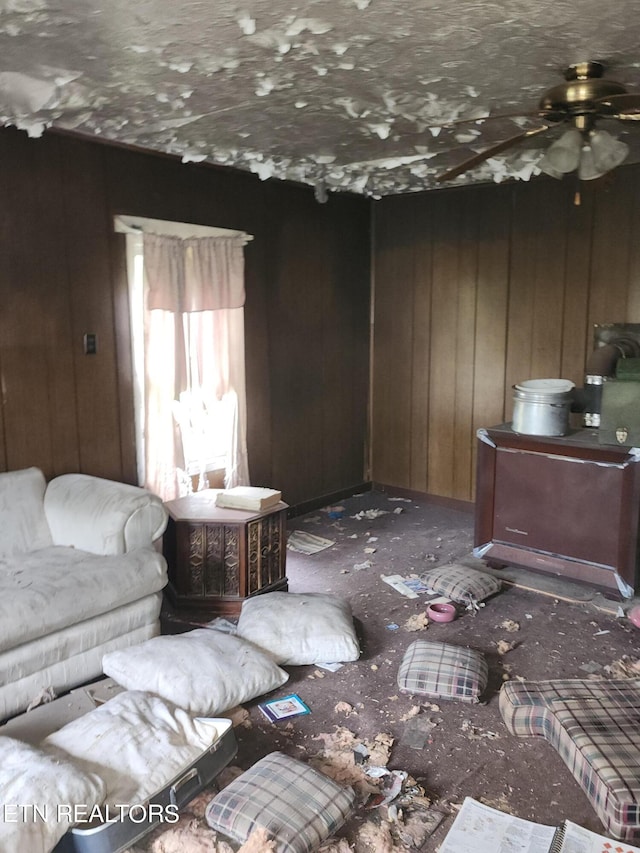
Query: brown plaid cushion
[461, 584]
[443, 671]
[595, 728]
[296, 804]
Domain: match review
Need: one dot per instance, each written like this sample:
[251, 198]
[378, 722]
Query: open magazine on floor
[482, 829]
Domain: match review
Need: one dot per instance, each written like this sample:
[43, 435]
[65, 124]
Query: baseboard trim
[425, 497]
[326, 500]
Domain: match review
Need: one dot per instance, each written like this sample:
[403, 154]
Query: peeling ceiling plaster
[342, 94]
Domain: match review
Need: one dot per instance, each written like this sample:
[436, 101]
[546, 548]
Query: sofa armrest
[102, 516]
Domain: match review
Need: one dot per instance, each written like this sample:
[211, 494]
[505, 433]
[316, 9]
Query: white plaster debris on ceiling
[342, 94]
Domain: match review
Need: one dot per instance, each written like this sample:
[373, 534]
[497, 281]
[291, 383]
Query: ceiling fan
[580, 102]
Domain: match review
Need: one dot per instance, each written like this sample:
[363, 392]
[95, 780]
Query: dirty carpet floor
[466, 749]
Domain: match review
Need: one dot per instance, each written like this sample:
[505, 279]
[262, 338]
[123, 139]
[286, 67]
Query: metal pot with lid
[542, 406]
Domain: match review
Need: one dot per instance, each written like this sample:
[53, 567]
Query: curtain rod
[124, 224]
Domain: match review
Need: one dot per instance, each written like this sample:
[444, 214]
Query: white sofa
[79, 577]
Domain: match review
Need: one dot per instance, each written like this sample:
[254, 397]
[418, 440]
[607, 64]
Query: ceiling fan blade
[455, 122]
[620, 104]
[490, 152]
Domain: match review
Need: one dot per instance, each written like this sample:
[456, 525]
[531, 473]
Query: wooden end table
[219, 557]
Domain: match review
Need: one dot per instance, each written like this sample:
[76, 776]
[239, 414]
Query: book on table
[481, 829]
[248, 497]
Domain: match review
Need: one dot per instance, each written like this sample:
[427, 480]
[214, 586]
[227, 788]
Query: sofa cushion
[136, 743]
[593, 725]
[38, 792]
[462, 584]
[300, 628]
[298, 806]
[206, 672]
[443, 671]
[50, 589]
[24, 525]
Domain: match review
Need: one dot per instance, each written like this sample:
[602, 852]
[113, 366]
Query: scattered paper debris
[331, 667]
[397, 582]
[344, 708]
[510, 626]
[398, 510]
[337, 759]
[358, 567]
[307, 543]
[370, 514]
[474, 733]
[600, 633]
[417, 585]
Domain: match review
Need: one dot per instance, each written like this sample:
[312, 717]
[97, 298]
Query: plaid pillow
[443, 671]
[461, 584]
[296, 804]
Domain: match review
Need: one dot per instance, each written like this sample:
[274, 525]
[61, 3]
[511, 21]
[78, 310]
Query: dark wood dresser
[566, 506]
[218, 557]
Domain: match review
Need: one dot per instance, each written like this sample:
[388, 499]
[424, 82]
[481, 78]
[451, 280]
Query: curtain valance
[194, 274]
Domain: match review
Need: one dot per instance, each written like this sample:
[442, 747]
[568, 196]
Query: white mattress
[65, 674]
[45, 591]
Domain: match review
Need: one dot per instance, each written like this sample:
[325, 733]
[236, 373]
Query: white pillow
[37, 795]
[136, 742]
[204, 671]
[300, 628]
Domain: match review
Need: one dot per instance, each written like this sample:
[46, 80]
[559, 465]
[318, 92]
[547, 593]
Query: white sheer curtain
[193, 398]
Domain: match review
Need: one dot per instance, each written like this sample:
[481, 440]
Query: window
[186, 288]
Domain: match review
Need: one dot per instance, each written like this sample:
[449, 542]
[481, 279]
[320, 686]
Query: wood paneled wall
[62, 274]
[477, 289]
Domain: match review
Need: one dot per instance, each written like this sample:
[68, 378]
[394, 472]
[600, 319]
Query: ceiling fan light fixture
[588, 170]
[607, 151]
[564, 155]
[548, 169]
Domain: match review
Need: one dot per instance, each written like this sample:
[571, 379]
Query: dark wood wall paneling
[477, 289]
[62, 274]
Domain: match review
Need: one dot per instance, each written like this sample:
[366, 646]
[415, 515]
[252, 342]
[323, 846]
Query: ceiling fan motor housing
[582, 93]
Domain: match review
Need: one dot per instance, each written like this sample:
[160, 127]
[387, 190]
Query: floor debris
[474, 733]
[417, 622]
[625, 667]
[307, 543]
[417, 732]
[504, 646]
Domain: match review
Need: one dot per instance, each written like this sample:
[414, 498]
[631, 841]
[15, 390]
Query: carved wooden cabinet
[566, 506]
[218, 557]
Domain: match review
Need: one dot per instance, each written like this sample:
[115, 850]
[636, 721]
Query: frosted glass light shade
[587, 170]
[564, 155]
[608, 152]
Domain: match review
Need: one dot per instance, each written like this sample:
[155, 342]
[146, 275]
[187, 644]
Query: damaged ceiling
[346, 95]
